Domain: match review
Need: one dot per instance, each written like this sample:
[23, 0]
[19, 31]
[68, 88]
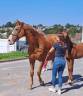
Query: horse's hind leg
[70, 70]
[39, 74]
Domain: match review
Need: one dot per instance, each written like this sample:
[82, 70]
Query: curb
[13, 60]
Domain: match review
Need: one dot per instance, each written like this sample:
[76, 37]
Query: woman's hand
[44, 66]
[46, 59]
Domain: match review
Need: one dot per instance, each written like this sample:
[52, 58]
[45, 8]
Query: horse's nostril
[8, 39]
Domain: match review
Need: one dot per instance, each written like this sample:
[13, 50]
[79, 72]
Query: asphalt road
[14, 80]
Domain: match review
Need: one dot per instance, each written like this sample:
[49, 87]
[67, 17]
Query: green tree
[9, 24]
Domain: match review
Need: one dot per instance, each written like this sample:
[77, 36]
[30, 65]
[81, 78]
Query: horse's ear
[19, 23]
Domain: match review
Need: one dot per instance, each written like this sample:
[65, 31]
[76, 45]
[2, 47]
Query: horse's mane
[35, 30]
[31, 28]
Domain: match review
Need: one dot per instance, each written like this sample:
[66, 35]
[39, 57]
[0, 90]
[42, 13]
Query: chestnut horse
[39, 45]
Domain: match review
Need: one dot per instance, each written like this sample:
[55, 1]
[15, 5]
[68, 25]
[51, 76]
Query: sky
[46, 12]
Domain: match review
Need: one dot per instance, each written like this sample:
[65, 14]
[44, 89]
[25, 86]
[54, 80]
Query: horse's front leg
[70, 70]
[39, 74]
[32, 63]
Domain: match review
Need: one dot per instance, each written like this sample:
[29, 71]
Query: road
[14, 80]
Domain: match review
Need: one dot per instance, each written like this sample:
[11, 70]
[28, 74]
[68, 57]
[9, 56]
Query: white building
[22, 44]
[5, 47]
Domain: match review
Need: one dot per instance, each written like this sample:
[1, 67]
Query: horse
[75, 52]
[39, 45]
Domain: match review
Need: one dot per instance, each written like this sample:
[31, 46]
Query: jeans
[58, 67]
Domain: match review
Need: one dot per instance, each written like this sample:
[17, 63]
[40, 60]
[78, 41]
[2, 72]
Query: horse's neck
[36, 39]
[68, 41]
[31, 39]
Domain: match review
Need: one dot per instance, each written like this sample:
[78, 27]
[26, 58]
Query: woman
[59, 63]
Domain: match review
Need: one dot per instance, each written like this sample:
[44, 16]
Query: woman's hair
[61, 37]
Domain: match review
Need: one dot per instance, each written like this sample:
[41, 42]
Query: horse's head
[21, 29]
[17, 32]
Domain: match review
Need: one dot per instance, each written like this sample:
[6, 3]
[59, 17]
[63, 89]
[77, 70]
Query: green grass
[13, 55]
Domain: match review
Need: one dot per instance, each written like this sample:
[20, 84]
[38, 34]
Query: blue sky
[46, 12]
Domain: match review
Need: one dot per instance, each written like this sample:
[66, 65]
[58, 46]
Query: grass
[13, 55]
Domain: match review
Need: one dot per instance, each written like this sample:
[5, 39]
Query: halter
[15, 36]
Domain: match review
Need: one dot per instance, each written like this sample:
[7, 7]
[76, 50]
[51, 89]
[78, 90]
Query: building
[22, 44]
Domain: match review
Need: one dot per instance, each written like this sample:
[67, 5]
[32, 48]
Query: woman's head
[65, 32]
[61, 38]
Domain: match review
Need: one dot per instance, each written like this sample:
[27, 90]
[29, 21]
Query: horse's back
[78, 51]
[52, 38]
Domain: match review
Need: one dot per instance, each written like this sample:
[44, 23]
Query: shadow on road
[77, 83]
[77, 78]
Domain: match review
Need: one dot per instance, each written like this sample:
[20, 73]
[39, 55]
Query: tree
[9, 24]
[54, 29]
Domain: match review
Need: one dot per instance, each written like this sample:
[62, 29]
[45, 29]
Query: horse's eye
[16, 29]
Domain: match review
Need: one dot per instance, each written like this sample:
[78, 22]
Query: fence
[20, 45]
[5, 47]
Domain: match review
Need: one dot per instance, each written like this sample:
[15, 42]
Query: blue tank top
[59, 50]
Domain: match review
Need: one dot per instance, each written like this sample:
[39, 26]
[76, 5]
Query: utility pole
[82, 34]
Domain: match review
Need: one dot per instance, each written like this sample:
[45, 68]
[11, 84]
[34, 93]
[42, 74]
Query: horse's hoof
[42, 83]
[30, 87]
[70, 82]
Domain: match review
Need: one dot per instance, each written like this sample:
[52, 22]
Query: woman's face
[65, 34]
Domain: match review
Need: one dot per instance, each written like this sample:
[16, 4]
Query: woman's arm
[46, 59]
[49, 52]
